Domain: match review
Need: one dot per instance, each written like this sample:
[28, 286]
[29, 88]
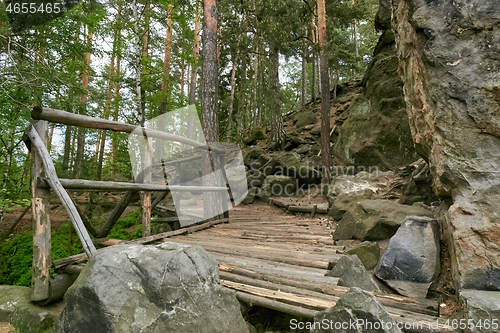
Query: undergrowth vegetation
[16, 253]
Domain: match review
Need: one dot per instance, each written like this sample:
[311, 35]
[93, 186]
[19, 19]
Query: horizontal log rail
[82, 184]
[72, 119]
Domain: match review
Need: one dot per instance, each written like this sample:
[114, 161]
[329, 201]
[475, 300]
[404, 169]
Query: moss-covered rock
[279, 186]
[368, 253]
[375, 219]
[304, 118]
[17, 309]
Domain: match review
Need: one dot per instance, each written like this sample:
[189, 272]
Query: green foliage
[128, 227]
[16, 254]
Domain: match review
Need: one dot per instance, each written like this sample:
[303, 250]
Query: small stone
[368, 253]
[351, 273]
[357, 306]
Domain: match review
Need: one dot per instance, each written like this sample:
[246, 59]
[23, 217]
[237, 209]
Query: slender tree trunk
[196, 53]
[144, 58]
[255, 103]
[167, 60]
[304, 76]
[51, 135]
[116, 102]
[231, 101]
[325, 94]
[107, 110]
[80, 150]
[355, 36]
[67, 150]
[274, 86]
[183, 74]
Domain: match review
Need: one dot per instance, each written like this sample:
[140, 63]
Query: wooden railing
[44, 177]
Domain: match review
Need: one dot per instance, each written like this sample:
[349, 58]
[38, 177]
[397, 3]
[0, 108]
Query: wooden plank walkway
[277, 260]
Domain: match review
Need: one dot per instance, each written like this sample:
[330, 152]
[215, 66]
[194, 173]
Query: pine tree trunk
[325, 94]
[67, 149]
[304, 76]
[210, 83]
[80, 150]
[355, 37]
[182, 78]
[116, 102]
[274, 93]
[209, 98]
[231, 101]
[167, 60]
[107, 111]
[196, 53]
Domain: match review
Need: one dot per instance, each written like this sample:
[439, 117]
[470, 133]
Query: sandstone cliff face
[449, 56]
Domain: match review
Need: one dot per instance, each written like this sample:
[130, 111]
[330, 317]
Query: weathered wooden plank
[283, 270]
[303, 301]
[82, 184]
[276, 286]
[296, 311]
[247, 276]
[276, 255]
[428, 323]
[40, 279]
[320, 209]
[304, 248]
[50, 172]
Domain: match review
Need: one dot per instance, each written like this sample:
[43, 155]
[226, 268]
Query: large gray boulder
[448, 61]
[352, 273]
[411, 261]
[359, 307]
[375, 219]
[26, 317]
[482, 307]
[165, 288]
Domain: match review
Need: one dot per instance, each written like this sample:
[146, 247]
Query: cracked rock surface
[164, 288]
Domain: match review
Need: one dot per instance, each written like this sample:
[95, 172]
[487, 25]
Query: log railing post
[146, 196]
[41, 224]
[219, 159]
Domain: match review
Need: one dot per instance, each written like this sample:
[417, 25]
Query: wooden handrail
[68, 118]
[82, 184]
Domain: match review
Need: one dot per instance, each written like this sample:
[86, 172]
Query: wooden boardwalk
[278, 261]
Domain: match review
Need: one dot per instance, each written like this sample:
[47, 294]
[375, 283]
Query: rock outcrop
[359, 307]
[388, 144]
[483, 308]
[352, 273]
[411, 261]
[165, 288]
[374, 219]
[448, 60]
